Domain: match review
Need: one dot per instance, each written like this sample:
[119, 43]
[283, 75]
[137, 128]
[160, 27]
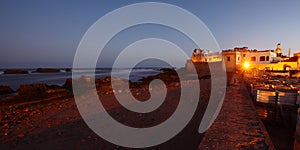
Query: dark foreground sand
[57, 124]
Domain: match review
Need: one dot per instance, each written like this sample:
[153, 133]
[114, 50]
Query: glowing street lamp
[246, 65]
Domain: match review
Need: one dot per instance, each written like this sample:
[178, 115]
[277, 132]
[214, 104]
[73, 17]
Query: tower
[278, 50]
[198, 55]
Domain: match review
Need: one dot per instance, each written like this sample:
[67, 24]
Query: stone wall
[297, 133]
[237, 125]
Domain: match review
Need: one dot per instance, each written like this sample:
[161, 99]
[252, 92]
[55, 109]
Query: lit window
[244, 55]
[253, 58]
[262, 58]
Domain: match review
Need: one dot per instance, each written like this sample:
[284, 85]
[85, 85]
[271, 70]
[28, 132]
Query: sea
[59, 78]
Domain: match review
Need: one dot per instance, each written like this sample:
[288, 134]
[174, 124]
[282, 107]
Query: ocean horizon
[59, 78]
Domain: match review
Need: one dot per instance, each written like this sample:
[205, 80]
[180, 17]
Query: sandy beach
[54, 122]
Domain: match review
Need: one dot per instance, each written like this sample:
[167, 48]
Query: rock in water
[68, 70]
[15, 71]
[47, 70]
[5, 90]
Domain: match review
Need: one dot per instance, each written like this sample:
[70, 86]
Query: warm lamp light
[246, 65]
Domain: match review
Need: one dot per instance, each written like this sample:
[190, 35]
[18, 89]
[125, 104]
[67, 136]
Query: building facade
[235, 59]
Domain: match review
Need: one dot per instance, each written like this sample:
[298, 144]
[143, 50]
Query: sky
[35, 33]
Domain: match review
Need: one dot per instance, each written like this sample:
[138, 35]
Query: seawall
[237, 125]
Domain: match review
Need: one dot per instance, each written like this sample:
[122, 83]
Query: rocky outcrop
[68, 70]
[32, 91]
[47, 70]
[15, 71]
[83, 84]
[5, 90]
[68, 84]
[37, 91]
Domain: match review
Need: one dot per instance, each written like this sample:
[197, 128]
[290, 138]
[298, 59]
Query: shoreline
[59, 78]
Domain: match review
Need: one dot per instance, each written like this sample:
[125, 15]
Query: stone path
[237, 126]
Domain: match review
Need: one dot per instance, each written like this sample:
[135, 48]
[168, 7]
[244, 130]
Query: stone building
[235, 59]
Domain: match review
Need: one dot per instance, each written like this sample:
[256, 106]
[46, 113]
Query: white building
[234, 59]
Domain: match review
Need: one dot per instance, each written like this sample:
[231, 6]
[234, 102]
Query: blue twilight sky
[35, 33]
